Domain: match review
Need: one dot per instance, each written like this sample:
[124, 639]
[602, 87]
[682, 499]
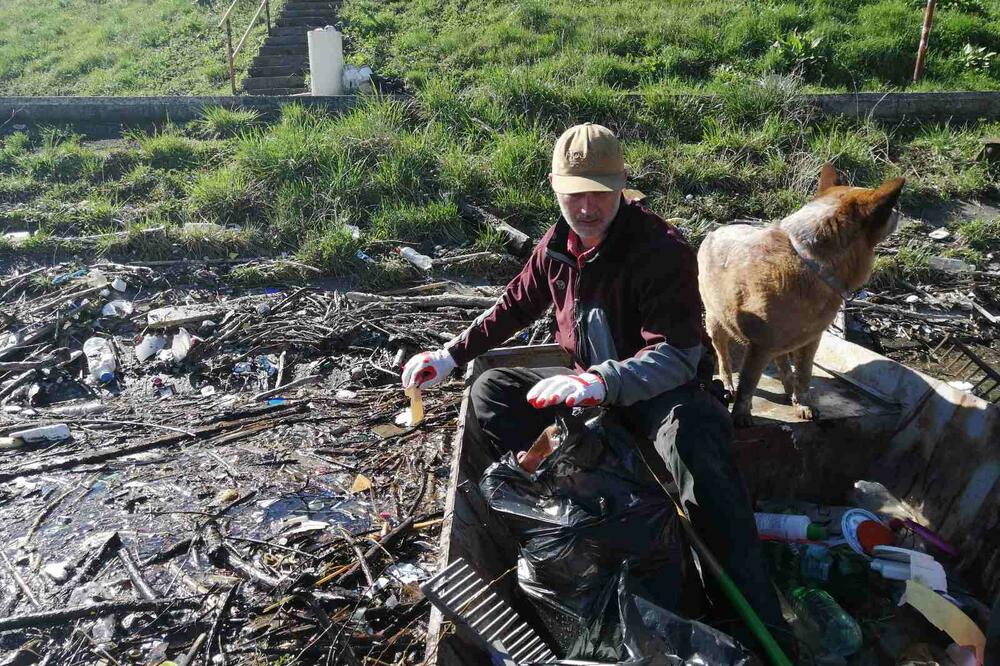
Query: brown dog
[775, 290]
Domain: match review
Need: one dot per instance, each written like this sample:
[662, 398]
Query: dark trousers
[693, 434]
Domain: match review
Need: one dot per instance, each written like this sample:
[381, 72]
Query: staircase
[282, 62]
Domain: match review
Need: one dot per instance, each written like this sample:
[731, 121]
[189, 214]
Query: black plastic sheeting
[602, 555]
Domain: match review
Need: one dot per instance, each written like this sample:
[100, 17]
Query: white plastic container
[119, 284]
[50, 433]
[326, 60]
[181, 345]
[100, 359]
[148, 346]
[421, 261]
[788, 527]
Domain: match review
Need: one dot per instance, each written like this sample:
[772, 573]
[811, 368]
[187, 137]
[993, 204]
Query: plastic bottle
[421, 261]
[100, 359]
[816, 563]
[826, 621]
[788, 527]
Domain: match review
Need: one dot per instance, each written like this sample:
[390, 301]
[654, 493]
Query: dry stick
[57, 357]
[135, 575]
[20, 583]
[303, 381]
[16, 383]
[281, 369]
[95, 563]
[61, 616]
[387, 540]
[201, 432]
[213, 633]
[424, 301]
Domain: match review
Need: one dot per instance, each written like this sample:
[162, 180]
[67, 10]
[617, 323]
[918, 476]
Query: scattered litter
[949, 265]
[148, 346]
[361, 484]
[940, 234]
[117, 308]
[49, 433]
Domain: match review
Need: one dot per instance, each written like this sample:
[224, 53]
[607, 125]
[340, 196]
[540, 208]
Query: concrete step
[288, 40]
[305, 22]
[279, 70]
[307, 11]
[285, 31]
[312, 7]
[268, 82]
[277, 91]
[281, 61]
[300, 49]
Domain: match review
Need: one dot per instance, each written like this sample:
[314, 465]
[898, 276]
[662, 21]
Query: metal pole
[267, 12]
[229, 55]
[925, 35]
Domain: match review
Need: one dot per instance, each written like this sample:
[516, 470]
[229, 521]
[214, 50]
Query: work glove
[428, 369]
[583, 390]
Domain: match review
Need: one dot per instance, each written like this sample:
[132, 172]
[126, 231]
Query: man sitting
[624, 286]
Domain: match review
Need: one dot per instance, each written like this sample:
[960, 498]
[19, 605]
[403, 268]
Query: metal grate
[462, 596]
[966, 366]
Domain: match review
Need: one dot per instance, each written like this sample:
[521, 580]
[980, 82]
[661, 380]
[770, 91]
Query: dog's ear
[827, 178]
[877, 204]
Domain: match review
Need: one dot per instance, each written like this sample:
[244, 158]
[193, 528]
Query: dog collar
[822, 271]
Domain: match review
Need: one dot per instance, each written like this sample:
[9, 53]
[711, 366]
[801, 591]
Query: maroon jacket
[629, 312]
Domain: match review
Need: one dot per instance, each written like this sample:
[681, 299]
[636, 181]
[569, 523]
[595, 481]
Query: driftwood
[63, 615]
[517, 242]
[109, 453]
[303, 381]
[425, 301]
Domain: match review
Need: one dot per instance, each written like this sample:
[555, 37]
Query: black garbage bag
[591, 511]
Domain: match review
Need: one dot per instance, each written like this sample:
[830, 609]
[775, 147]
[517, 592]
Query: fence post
[267, 12]
[229, 55]
[925, 36]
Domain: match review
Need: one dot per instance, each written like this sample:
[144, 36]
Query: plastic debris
[788, 527]
[148, 346]
[361, 484]
[117, 308]
[904, 564]
[49, 433]
[421, 261]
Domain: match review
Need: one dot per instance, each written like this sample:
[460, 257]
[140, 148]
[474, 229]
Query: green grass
[119, 47]
[548, 53]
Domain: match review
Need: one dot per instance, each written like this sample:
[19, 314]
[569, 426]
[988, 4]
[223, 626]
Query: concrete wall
[107, 115]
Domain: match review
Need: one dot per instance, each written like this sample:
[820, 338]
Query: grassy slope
[488, 104]
[115, 47]
[595, 47]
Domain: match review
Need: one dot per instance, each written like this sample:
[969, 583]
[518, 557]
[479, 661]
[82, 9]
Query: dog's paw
[805, 412]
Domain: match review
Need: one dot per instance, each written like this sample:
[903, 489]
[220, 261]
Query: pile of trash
[869, 583]
[193, 473]
[604, 562]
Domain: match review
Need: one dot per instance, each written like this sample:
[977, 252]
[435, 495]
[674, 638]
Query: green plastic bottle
[822, 617]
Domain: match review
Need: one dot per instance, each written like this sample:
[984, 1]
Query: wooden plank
[470, 529]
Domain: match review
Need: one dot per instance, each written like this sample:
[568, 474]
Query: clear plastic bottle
[421, 261]
[816, 563]
[100, 359]
[832, 627]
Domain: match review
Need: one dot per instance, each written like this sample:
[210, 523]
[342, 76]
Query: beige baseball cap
[587, 158]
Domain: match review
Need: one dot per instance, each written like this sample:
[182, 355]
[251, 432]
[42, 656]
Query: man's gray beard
[562, 209]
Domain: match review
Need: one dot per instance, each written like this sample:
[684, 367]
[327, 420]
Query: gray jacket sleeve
[649, 373]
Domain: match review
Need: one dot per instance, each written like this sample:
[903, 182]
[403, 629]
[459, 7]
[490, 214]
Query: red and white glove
[428, 369]
[583, 390]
